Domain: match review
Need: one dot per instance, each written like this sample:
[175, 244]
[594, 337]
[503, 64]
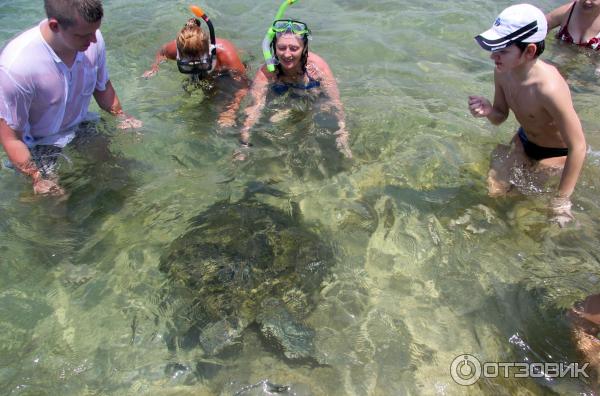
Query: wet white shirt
[40, 96]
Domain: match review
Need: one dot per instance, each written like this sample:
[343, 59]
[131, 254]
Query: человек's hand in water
[560, 211]
[47, 187]
[479, 106]
[150, 73]
[125, 121]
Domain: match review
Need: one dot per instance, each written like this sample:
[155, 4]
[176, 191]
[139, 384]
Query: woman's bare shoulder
[316, 66]
[559, 15]
[316, 59]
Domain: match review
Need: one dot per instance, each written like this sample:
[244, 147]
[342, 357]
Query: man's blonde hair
[192, 41]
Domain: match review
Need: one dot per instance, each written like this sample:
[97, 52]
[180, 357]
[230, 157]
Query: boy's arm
[481, 107]
[167, 51]
[558, 103]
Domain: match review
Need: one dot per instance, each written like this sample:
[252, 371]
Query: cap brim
[492, 44]
[490, 40]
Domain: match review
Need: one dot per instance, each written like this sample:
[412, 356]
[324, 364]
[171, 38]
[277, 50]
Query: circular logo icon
[465, 370]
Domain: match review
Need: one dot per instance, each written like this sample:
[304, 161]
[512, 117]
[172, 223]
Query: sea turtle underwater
[245, 263]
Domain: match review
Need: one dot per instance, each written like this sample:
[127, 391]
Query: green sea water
[427, 268]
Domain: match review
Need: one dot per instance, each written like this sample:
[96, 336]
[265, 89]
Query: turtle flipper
[295, 339]
[217, 336]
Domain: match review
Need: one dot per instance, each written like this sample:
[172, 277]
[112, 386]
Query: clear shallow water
[428, 267]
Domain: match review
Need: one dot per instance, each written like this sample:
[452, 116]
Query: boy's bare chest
[524, 101]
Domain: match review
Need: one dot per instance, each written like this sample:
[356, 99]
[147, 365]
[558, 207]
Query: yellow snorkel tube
[266, 44]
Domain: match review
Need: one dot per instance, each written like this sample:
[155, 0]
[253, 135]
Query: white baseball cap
[518, 23]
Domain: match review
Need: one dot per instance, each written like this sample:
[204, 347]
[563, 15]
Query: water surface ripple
[427, 266]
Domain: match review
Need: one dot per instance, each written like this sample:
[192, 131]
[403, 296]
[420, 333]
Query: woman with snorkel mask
[203, 56]
[296, 70]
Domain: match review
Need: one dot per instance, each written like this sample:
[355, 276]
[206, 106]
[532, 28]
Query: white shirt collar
[55, 57]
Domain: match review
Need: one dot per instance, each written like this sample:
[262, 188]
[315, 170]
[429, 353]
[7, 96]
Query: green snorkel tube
[266, 44]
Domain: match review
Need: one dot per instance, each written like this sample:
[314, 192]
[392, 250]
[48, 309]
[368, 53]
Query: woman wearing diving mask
[191, 49]
[203, 56]
[297, 71]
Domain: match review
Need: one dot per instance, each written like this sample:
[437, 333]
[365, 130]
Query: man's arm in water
[109, 102]
[18, 153]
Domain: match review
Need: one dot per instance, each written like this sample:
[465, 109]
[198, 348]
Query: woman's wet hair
[303, 59]
[192, 40]
[539, 47]
[66, 11]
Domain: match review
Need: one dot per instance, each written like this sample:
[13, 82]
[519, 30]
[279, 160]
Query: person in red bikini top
[579, 23]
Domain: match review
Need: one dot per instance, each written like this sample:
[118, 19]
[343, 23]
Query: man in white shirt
[48, 75]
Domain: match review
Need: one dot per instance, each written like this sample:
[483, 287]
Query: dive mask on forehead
[202, 66]
[289, 25]
[270, 60]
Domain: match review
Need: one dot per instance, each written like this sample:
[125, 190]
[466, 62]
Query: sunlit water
[427, 266]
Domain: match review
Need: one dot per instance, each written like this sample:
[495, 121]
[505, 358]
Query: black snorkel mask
[200, 68]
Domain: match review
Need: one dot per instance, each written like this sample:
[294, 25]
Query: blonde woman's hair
[192, 41]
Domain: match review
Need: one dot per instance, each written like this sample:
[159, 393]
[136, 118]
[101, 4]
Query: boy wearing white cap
[550, 136]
